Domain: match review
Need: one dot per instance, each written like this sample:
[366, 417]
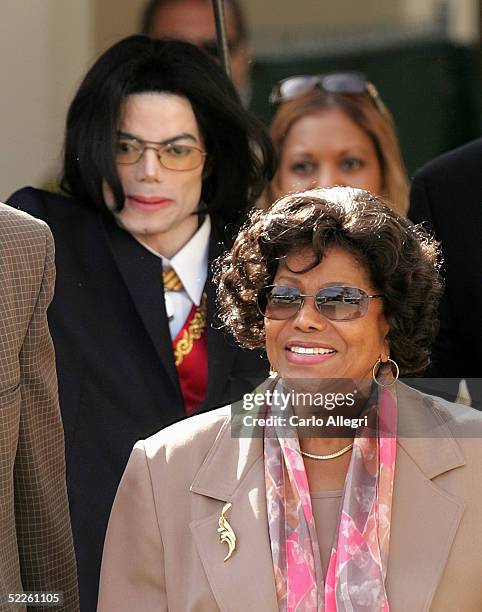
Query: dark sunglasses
[337, 303]
[337, 82]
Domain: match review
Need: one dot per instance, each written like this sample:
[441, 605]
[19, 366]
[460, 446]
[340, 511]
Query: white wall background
[44, 46]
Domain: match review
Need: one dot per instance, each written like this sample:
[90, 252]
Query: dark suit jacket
[447, 193]
[117, 377]
[37, 552]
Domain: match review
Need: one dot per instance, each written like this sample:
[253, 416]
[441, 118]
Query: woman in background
[335, 130]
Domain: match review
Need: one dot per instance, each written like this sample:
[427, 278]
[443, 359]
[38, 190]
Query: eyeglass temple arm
[375, 96]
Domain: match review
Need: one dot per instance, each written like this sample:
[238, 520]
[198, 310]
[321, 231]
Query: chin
[303, 372]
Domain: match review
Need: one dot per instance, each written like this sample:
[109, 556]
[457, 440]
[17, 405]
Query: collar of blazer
[425, 517]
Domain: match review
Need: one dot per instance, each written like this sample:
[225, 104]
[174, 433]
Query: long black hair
[240, 154]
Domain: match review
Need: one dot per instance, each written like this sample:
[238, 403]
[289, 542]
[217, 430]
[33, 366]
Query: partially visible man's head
[193, 21]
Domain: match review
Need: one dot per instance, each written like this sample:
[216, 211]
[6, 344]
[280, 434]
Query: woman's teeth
[314, 350]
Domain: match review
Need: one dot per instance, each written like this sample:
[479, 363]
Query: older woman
[378, 506]
[334, 129]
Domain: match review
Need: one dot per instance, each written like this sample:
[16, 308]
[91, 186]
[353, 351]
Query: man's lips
[143, 202]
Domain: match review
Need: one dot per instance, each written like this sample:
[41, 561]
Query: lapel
[220, 355]
[424, 516]
[142, 274]
[233, 471]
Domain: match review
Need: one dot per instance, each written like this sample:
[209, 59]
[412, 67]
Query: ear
[385, 352]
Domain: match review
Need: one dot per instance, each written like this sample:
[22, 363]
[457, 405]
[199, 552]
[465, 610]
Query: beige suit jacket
[36, 550]
[162, 550]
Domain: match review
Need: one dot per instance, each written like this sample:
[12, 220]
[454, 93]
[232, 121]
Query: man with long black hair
[161, 165]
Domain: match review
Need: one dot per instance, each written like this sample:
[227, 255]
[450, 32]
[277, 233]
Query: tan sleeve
[44, 534]
[132, 574]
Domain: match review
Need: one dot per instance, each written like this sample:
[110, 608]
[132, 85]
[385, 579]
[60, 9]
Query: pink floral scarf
[355, 579]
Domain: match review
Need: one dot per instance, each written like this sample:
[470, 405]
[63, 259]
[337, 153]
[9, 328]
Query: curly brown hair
[402, 260]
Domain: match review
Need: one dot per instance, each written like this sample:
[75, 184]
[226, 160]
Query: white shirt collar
[191, 262]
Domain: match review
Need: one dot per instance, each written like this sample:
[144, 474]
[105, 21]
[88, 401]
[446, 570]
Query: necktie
[171, 280]
[189, 348]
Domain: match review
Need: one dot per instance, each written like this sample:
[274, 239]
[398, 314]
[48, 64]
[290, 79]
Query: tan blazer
[36, 550]
[162, 550]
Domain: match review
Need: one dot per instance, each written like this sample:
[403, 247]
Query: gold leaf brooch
[226, 533]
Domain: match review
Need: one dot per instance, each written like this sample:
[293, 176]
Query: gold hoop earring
[381, 363]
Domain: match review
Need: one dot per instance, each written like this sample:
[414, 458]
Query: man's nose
[149, 167]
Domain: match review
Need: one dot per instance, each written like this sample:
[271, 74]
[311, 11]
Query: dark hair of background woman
[240, 155]
[401, 258]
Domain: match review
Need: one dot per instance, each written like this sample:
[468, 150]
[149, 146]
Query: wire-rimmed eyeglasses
[171, 155]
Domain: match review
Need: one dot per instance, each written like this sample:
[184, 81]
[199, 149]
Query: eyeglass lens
[337, 303]
[172, 156]
[348, 82]
[340, 82]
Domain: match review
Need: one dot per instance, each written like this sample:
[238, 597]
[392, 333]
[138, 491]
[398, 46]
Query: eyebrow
[340, 283]
[183, 136]
[302, 149]
[355, 148]
[302, 153]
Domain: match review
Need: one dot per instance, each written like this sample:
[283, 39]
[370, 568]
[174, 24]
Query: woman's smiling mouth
[308, 353]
